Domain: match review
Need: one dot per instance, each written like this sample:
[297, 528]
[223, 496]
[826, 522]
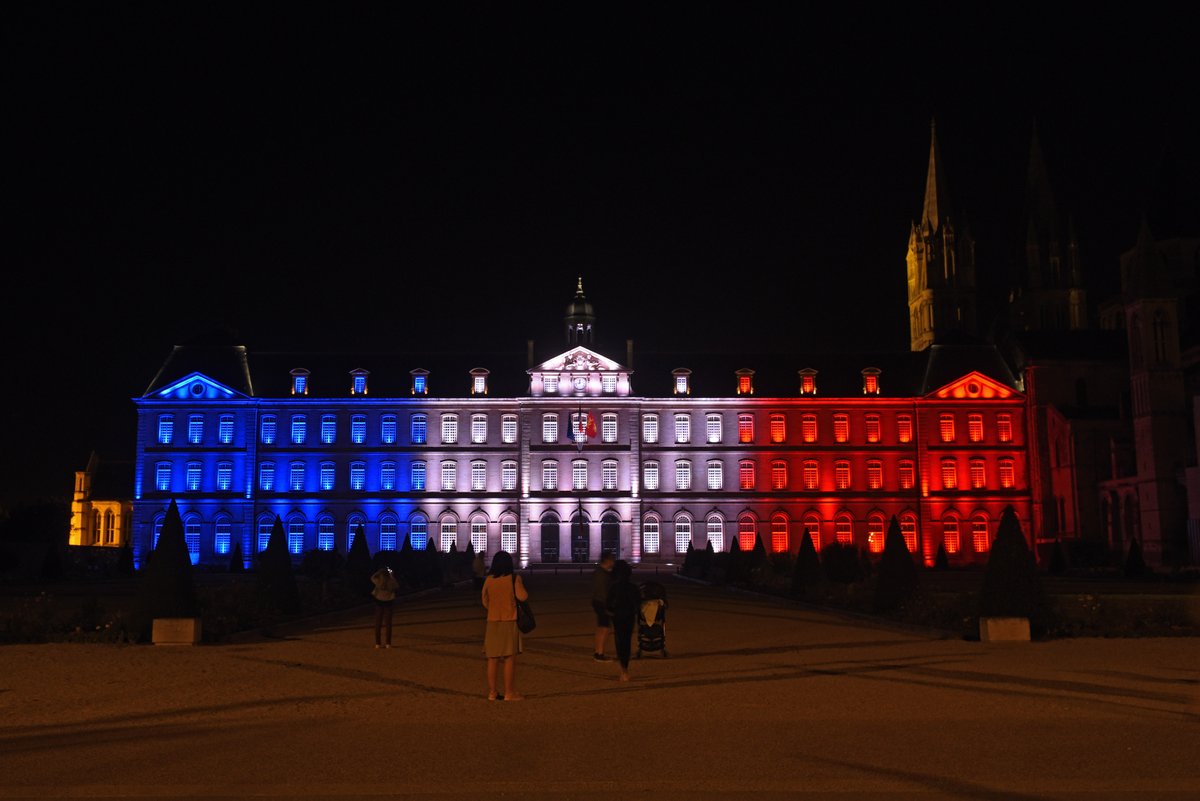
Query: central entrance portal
[610, 534]
[581, 545]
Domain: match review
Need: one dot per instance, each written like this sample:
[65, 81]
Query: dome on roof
[579, 308]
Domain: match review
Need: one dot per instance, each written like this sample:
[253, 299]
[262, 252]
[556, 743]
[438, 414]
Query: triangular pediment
[197, 386]
[579, 360]
[974, 385]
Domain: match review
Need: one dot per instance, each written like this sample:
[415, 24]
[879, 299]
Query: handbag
[525, 621]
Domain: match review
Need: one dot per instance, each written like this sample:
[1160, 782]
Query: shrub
[237, 562]
[358, 564]
[1058, 559]
[733, 570]
[942, 560]
[806, 574]
[276, 580]
[125, 561]
[840, 563]
[1135, 563]
[433, 564]
[897, 580]
[706, 560]
[690, 562]
[165, 587]
[1010, 583]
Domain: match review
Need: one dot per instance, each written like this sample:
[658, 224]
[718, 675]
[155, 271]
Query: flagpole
[580, 434]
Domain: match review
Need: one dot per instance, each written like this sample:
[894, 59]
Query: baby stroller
[652, 619]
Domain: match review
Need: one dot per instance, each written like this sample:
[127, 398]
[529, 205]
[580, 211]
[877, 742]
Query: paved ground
[759, 700]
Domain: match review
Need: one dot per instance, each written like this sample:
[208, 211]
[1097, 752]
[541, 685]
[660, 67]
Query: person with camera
[384, 593]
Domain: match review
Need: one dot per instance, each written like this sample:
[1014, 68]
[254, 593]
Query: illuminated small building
[101, 506]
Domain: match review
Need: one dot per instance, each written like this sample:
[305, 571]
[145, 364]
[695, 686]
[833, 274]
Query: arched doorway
[550, 538]
[610, 534]
[581, 547]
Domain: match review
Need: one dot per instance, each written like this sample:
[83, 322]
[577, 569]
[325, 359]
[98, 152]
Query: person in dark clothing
[601, 582]
[624, 598]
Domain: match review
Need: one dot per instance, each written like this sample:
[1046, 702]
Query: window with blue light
[353, 523]
[224, 476]
[295, 535]
[166, 429]
[265, 525]
[162, 476]
[326, 475]
[268, 429]
[299, 429]
[225, 429]
[191, 535]
[195, 429]
[358, 428]
[387, 533]
[417, 481]
[360, 384]
[328, 429]
[266, 476]
[418, 533]
[296, 476]
[358, 475]
[300, 385]
[387, 476]
[193, 476]
[418, 385]
[158, 524]
[325, 534]
[420, 428]
[387, 429]
[222, 538]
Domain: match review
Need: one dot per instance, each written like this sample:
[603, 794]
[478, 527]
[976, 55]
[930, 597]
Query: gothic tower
[580, 319]
[941, 264]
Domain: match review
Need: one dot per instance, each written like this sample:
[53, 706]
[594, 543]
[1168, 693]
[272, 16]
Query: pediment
[578, 360]
[974, 385]
[197, 386]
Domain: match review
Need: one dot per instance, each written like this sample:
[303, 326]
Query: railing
[579, 568]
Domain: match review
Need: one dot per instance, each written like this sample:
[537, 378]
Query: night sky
[723, 177]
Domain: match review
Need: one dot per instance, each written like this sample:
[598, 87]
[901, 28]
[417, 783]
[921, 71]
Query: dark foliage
[1135, 563]
[276, 580]
[942, 560]
[733, 562]
[840, 563]
[690, 562]
[358, 564]
[125, 561]
[41, 521]
[706, 560]
[807, 574]
[321, 565]
[52, 565]
[433, 564]
[1058, 559]
[237, 562]
[165, 586]
[1088, 553]
[1010, 583]
[897, 580]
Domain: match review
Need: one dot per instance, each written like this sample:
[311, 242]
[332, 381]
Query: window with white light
[358, 428]
[325, 534]
[479, 535]
[715, 532]
[296, 476]
[162, 476]
[268, 429]
[716, 475]
[328, 428]
[508, 536]
[299, 429]
[449, 535]
[681, 383]
[550, 428]
[650, 475]
[416, 480]
[193, 476]
[387, 476]
[419, 429]
[387, 533]
[712, 428]
[196, 429]
[295, 536]
[449, 429]
[478, 475]
[683, 475]
[327, 476]
[683, 534]
[549, 475]
[508, 476]
[266, 476]
[579, 473]
[650, 428]
[608, 383]
[550, 384]
[387, 429]
[166, 429]
[358, 475]
[479, 384]
[449, 476]
[224, 476]
[222, 536]
[508, 429]
[608, 475]
[650, 535]
[478, 429]
[608, 427]
[225, 429]
[683, 429]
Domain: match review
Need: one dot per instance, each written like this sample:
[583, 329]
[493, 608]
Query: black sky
[348, 177]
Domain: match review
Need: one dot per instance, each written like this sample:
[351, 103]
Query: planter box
[1004, 629]
[176, 631]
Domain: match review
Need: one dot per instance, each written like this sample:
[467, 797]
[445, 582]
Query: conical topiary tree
[165, 586]
[276, 580]
[125, 561]
[433, 564]
[942, 560]
[1135, 563]
[897, 572]
[358, 563]
[1058, 559]
[1010, 583]
[806, 576]
[733, 569]
[237, 563]
[689, 561]
[756, 562]
[706, 559]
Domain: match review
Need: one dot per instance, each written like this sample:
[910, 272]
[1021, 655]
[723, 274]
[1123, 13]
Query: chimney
[629, 353]
[529, 352]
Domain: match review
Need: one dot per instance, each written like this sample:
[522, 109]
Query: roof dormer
[300, 381]
[420, 381]
[479, 379]
[358, 381]
[808, 381]
[682, 381]
[870, 380]
[745, 381]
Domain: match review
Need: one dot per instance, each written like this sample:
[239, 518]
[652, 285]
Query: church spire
[580, 318]
[937, 196]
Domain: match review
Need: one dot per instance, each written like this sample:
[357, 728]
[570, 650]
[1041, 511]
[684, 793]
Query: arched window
[166, 429]
[715, 531]
[157, 530]
[875, 532]
[779, 474]
[195, 428]
[387, 429]
[358, 475]
[296, 476]
[508, 535]
[109, 534]
[550, 534]
[747, 532]
[712, 428]
[419, 429]
[779, 533]
[328, 428]
[951, 535]
[354, 522]
[650, 534]
[778, 428]
[746, 478]
[683, 533]
[745, 428]
[908, 529]
[448, 534]
[479, 534]
[191, 535]
[266, 524]
[716, 475]
[980, 540]
[299, 429]
[843, 528]
[325, 533]
[841, 428]
[949, 473]
[266, 476]
[222, 535]
[608, 427]
[387, 532]
[812, 527]
[418, 532]
[295, 534]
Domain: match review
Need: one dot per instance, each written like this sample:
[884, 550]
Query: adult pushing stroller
[652, 619]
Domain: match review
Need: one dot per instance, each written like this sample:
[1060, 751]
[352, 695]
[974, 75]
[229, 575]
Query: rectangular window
[266, 477]
[904, 428]
[162, 476]
[419, 429]
[264, 534]
[299, 385]
[418, 385]
[418, 534]
[745, 428]
[608, 475]
[812, 527]
[716, 533]
[608, 383]
[478, 475]
[779, 534]
[268, 429]
[779, 475]
[225, 429]
[295, 536]
[872, 428]
[328, 428]
[550, 428]
[1007, 477]
[870, 384]
[808, 384]
[508, 429]
[908, 529]
[650, 536]
[387, 429]
[360, 385]
[296, 476]
[681, 385]
[193, 476]
[191, 536]
[166, 429]
[978, 478]
[683, 429]
[449, 476]
[949, 474]
[579, 473]
[650, 475]
[222, 537]
[479, 536]
[746, 475]
[712, 428]
[1004, 427]
[224, 476]
[975, 427]
[650, 428]
[907, 475]
[808, 428]
[716, 476]
[550, 384]
[358, 476]
[683, 535]
[875, 535]
[417, 477]
[196, 429]
[843, 529]
[387, 476]
[387, 534]
[950, 535]
[683, 475]
[358, 429]
[479, 385]
[508, 536]
[946, 427]
[608, 427]
[508, 476]
[549, 475]
[449, 536]
[778, 429]
[841, 428]
[478, 428]
[810, 475]
[449, 429]
[299, 429]
[327, 472]
[875, 475]
[325, 534]
[841, 475]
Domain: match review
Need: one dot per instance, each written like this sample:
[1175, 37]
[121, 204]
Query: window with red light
[843, 529]
[907, 475]
[808, 428]
[975, 427]
[979, 533]
[841, 475]
[977, 475]
[778, 429]
[946, 426]
[743, 385]
[779, 475]
[1004, 427]
[904, 428]
[870, 384]
[746, 532]
[808, 383]
[841, 427]
[949, 474]
[908, 529]
[1007, 478]
[950, 535]
[874, 475]
[746, 474]
[810, 475]
[872, 424]
[745, 428]
[875, 533]
[812, 527]
[779, 533]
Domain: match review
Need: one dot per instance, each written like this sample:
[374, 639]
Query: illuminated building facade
[101, 510]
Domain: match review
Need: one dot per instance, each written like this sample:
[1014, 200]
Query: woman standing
[384, 593]
[502, 642]
[624, 597]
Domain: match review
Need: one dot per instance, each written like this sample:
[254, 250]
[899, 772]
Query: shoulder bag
[525, 621]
